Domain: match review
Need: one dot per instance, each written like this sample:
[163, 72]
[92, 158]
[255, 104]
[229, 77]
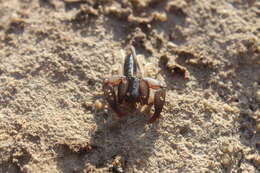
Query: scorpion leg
[159, 97]
[110, 95]
[159, 100]
[122, 89]
[113, 81]
[144, 92]
[153, 83]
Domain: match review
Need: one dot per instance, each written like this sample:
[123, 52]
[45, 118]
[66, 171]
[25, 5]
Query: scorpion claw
[111, 98]
[159, 100]
[144, 92]
[122, 89]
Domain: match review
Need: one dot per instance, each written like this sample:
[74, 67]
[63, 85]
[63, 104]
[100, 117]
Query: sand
[54, 55]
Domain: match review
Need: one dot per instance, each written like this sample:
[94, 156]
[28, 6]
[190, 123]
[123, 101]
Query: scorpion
[132, 87]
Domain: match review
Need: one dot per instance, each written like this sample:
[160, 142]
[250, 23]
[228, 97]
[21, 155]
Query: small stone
[226, 160]
[160, 17]
[257, 160]
[229, 108]
[171, 45]
[258, 127]
[99, 105]
[258, 95]
[228, 149]
[88, 105]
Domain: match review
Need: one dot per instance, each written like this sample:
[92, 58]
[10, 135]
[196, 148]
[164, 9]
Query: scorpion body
[133, 88]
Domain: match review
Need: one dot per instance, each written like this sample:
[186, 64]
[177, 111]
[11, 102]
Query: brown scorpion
[132, 87]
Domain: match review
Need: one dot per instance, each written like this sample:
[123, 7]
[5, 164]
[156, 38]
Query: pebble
[99, 105]
[226, 160]
[257, 160]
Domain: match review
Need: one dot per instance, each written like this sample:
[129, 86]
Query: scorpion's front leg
[110, 95]
[159, 97]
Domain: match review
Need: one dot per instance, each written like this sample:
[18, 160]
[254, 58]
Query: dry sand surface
[55, 53]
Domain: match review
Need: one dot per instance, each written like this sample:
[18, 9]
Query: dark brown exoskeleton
[133, 88]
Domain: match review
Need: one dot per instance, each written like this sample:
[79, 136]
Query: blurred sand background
[55, 53]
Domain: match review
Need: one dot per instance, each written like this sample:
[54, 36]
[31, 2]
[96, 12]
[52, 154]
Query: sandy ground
[54, 55]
